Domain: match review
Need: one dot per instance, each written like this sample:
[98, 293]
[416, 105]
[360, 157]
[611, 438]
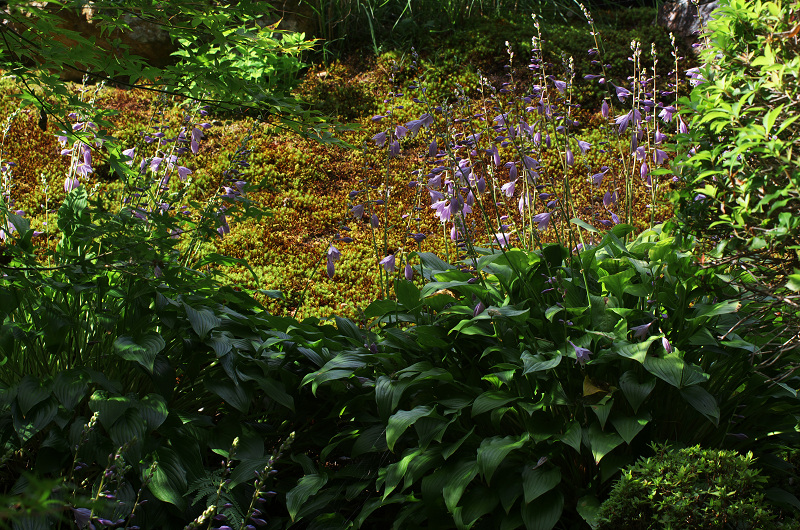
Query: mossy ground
[305, 186]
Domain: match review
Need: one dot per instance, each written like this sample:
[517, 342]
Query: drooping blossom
[659, 156]
[525, 202]
[408, 272]
[604, 109]
[682, 128]
[570, 157]
[379, 138]
[130, 153]
[641, 332]
[584, 146]
[666, 113]
[183, 172]
[561, 86]
[71, 183]
[357, 211]
[501, 238]
[400, 131]
[374, 221]
[597, 178]
[622, 93]
[508, 188]
[388, 263]
[582, 354]
[542, 220]
[333, 256]
[394, 149]
[609, 199]
[155, 163]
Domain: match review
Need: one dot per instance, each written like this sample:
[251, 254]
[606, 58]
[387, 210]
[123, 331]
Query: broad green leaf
[493, 451]
[794, 282]
[233, 394]
[141, 349]
[699, 398]
[629, 426]
[702, 311]
[408, 294]
[552, 311]
[490, 400]
[169, 479]
[635, 350]
[536, 481]
[544, 512]
[674, 370]
[616, 283]
[348, 328]
[584, 225]
[109, 408]
[395, 472]
[478, 501]
[153, 408]
[636, 392]
[306, 487]
[402, 420]
[602, 410]
[31, 392]
[536, 364]
[202, 321]
[70, 387]
[601, 442]
[276, 391]
[129, 428]
[588, 508]
[458, 479]
[572, 436]
[452, 448]
[245, 469]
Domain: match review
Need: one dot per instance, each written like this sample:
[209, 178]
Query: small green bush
[688, 488]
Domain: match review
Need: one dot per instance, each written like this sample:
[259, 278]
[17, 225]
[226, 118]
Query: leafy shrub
[513, 395]
[742, 186]
[688, 488]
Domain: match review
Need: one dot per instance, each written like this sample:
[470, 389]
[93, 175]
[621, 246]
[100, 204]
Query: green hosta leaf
[202, 321]
[348, 328]
[552, 311]
[544, 512]
[629, 426]
[794, 282]
[395, 472]
[70, 387]
[408, 294]
[490, 400]
[276, 391]
[452, 448]
[477, 502]
[601, 442]
[636, 350]
[129, 428]
[494, 450]
[699, 398]
[457, 481]
[710, 310]
[306, 487]
[674, 370]
[109, 408]
[233, 394]
[616, 283]
[584, 225]
[572, 436]
[635, 392]
[602, 410]
[31, 392]
[169, 480]
[142, 349]
[588, 508]
[153, 409]
[536, 481]
[221, 344]
[536, 363]
[245, 469]
[402, 420]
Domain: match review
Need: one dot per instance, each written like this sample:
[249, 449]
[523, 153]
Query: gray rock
[682, 17]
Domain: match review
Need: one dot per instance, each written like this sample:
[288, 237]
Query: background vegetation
[512, 315]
